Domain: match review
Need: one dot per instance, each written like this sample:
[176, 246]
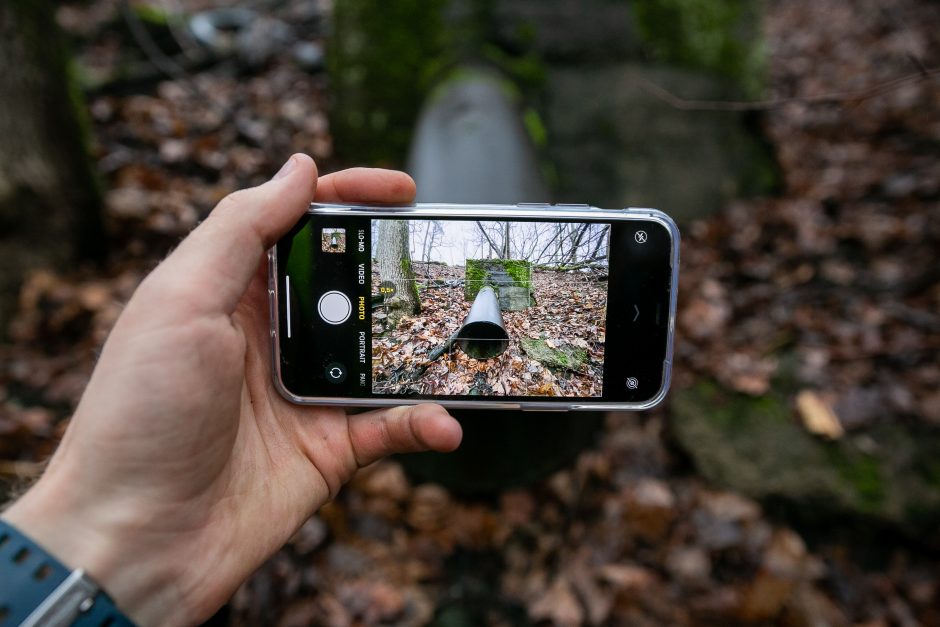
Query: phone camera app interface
[487, 308]
[467, 309]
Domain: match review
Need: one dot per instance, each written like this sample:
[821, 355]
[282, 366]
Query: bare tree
[393, 254]
[490, 239]
[433, 233]
[560, 244]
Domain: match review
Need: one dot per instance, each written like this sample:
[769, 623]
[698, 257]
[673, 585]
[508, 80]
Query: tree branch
[842, 97]
[488, 240]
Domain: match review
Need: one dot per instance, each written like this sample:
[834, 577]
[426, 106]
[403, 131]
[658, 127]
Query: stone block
[513, 298]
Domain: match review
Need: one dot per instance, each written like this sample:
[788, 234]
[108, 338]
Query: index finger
[366, 186]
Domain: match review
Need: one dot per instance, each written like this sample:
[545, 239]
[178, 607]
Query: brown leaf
[430, 508]
[558, 604]
[783, 567]
[628, 577]
[817, 416]
[650, 509]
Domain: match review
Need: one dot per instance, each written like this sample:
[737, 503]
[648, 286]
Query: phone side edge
[274, 331]
[676, 241]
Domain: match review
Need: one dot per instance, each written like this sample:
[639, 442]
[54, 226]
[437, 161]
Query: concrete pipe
[482, 335]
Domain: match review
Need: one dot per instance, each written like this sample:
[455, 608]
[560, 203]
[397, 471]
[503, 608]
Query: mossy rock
[520, 271]
[564, 357]
[622, 147]
[512, 298]
[754, 446]
[478, 271]
[718, 36]
[474, 277]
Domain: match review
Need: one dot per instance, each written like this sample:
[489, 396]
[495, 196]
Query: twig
[164, 63]
[489, 241]
[150, 48]
[893, 15]
[435, 354]
[762, 105]
[178, 29]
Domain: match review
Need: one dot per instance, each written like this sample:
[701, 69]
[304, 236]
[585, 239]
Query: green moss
[563, 357]
[720, 36]
[863, 473]
[83, 120]
[525, 70]
[520, 271]
[474, 275]
[152, 14]
[763, 430]
[477, 272]
[407, 271]
[527, 74]
[535, 127]
[385, 58]
[475, 74]
[758, 447]
[731, 410]
[382, 61]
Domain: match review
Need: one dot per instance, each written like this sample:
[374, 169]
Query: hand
[183, 469]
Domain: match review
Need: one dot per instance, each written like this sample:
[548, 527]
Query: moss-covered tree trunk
[50, 204]
[393, 254]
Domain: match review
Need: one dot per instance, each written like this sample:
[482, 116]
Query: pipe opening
[482, 339]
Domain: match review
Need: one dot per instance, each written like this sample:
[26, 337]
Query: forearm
[101, 540]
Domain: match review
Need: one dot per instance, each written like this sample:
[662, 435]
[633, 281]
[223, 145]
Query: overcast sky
[459, 240]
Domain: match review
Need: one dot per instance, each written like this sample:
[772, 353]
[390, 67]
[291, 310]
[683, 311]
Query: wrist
[105, 540]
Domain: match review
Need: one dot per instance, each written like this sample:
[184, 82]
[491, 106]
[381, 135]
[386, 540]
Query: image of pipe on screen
[474, 308]
[483, 335]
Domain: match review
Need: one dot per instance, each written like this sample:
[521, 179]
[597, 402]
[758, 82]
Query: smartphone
[531, 307]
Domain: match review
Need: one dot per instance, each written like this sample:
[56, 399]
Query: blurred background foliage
[381, 74]
[720, 36]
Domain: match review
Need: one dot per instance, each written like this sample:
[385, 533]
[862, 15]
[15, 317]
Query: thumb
[215, 263]
[406, 429]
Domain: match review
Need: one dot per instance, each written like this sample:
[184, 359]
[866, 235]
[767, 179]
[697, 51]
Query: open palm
[183, 469]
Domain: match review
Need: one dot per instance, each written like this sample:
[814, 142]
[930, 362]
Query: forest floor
[839, 271]
[556, 346]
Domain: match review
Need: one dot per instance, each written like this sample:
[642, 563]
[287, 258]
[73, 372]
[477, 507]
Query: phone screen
[468, 309]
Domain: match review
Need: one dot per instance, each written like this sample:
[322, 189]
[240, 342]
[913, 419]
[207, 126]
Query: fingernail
[285, 169]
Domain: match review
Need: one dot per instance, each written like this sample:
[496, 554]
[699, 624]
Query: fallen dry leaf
[559, 605]
[817, 416]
